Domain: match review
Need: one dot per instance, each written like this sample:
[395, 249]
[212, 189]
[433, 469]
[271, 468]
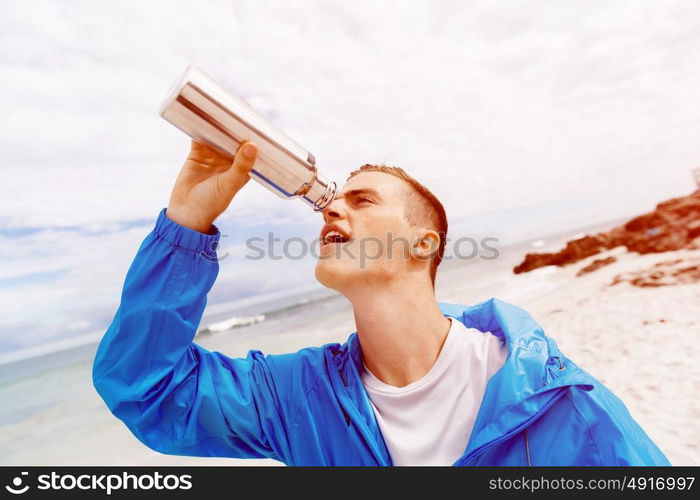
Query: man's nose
[333, 211]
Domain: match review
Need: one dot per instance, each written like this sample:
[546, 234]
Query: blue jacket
[309, 407]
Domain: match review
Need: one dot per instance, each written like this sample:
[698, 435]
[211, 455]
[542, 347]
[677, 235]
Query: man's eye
[362, 199]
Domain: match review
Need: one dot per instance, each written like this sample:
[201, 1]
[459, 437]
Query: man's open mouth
[333, 233]
[334, 237]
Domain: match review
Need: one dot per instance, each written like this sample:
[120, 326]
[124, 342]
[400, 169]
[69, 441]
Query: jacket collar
[535, 372]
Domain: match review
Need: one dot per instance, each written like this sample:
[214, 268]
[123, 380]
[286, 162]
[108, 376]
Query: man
[418, 382]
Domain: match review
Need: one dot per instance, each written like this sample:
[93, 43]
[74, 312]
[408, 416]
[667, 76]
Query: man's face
[374, 237]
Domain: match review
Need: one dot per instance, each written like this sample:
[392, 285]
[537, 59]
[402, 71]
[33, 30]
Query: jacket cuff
[184, 237]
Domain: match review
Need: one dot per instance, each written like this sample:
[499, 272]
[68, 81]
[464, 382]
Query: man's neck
[401, 330]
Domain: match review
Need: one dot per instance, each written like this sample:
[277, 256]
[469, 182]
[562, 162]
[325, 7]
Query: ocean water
[51, 395]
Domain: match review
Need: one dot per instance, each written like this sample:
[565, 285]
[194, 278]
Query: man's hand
[207, 183]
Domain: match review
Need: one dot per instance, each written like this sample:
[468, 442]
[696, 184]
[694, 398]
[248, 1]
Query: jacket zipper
[476, 453]
[362, 429]
[345, 413]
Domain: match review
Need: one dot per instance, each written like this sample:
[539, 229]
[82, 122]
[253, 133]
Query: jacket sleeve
[175, 396]
[618, 439]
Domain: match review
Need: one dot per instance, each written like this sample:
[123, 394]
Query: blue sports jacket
[310, 407]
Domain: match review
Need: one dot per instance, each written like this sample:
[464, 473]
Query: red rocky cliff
[674, 225]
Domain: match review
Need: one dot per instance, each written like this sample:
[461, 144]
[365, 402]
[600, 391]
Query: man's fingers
[207, 156]
[243, 162]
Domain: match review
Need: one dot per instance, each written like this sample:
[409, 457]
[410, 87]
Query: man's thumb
[237, 175]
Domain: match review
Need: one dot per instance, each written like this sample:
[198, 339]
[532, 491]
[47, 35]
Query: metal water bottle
[205, 111]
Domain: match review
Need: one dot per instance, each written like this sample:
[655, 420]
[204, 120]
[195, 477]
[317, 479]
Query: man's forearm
[162, 302]
[175, 396]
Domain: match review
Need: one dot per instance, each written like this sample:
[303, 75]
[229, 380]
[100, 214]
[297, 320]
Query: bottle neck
[321, 193]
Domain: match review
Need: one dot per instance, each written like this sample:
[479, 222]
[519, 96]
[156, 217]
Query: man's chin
[330, 273]
[326, 274]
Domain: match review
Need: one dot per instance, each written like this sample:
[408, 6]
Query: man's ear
[426, 244]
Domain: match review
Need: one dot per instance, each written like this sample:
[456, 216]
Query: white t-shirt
[429, 421]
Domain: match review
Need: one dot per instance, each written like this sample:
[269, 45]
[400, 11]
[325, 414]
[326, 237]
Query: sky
[524, 118]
